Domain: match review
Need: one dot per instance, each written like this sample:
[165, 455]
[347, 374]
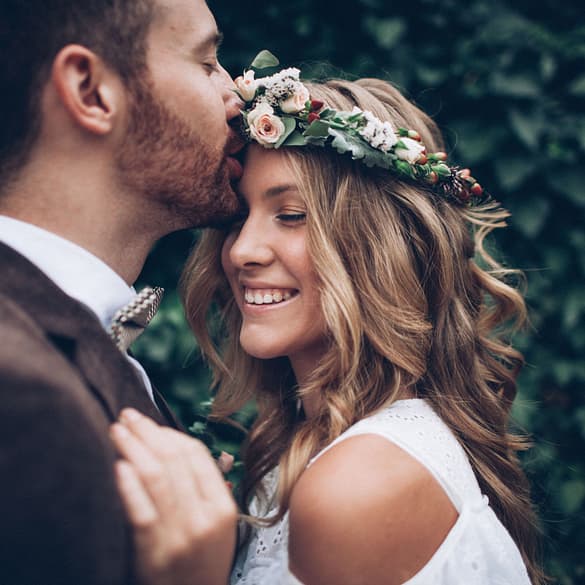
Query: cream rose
[296, 102]
[411, 151]
[247, 85]
[265, 127]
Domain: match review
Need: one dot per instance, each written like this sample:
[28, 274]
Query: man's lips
[234, 150]
[235, 142]
[235, 168]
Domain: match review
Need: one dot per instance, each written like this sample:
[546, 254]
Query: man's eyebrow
[213, 40]
[219, 36]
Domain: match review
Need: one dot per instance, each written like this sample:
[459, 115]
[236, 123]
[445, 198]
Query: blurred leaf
[570, 182]
[548, 67]
[512, 170]
[264, 59]
[529, 217]
[572, 495]
[518, 86]
[580, 418]
[430, 76]
[474, 142]
[574, 307]
[528, 127]
[578, 86]
[387, 32]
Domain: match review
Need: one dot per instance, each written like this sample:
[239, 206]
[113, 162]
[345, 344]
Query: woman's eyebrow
[279, 190]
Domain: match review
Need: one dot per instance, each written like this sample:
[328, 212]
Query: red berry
[414, 135]
[464, 173]
[316, 105]
[433, 178]
[422, 159]
[441, 156]
[477, 189]
[312, 117]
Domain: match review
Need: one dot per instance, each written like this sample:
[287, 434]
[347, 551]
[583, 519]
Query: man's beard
[164, 159]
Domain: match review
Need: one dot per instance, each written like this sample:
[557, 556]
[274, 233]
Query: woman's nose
[251, 247]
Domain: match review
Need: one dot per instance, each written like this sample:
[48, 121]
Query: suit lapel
[166, 410]
[79, 335]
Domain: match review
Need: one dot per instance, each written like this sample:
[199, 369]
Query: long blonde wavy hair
[412, 300]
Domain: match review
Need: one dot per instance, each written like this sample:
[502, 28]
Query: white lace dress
[477, 551]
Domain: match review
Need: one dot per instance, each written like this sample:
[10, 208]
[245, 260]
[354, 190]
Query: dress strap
[415, 427]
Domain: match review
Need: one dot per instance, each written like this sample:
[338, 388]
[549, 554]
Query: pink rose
[265, 127]
[246, 85]
[297, 101]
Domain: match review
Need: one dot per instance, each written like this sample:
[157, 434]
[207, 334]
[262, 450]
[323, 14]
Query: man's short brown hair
[32, 32]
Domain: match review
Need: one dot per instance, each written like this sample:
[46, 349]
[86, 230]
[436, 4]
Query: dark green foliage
[506, 83]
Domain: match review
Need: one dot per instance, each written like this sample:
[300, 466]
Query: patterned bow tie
[130, 321]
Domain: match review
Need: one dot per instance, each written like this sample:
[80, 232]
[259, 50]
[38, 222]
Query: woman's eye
[292, 217]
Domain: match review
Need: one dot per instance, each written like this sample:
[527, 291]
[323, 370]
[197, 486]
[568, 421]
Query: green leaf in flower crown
[360, 150]
[348, 117]
[264, 59]
[343, 142]
[290, 125]
[318, 129]
[296, 138]
[404, 168]
[327, 114]
[442, 170]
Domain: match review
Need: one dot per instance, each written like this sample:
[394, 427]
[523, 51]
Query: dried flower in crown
[279, 111]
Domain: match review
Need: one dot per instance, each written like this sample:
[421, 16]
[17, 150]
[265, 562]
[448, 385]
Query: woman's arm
[366, 512]
[183, 514]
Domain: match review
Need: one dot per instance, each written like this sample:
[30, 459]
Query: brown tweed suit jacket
[62, 383]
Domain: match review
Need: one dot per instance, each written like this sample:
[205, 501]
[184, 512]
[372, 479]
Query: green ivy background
[506, 83]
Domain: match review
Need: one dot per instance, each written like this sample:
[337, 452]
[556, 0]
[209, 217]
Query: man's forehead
[187, 17]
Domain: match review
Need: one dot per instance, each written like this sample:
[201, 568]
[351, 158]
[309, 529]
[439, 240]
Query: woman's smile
[268, 296]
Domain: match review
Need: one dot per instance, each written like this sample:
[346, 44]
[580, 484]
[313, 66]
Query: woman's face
[268, 267]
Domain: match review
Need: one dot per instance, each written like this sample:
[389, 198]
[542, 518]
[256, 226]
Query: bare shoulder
[366, 512]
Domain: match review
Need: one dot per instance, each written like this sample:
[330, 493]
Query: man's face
[177, 146]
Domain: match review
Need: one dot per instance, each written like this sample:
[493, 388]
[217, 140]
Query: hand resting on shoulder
[183, 514]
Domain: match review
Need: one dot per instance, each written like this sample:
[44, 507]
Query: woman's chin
[261, 353]
[261, 349]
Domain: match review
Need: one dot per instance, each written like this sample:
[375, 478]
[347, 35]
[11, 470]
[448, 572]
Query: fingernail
[225, 457]
[129, 415]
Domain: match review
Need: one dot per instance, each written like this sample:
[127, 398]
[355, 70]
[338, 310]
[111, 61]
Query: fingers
[225, 462]
[186, 460]
[139, 507]
[147, 466]
[175, 496]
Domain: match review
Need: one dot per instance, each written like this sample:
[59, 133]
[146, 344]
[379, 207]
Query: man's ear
[89, 91]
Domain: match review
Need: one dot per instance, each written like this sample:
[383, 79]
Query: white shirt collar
[76, 271]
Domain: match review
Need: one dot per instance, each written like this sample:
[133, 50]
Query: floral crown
[279, 111]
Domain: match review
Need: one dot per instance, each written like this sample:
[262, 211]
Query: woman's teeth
[267, 296]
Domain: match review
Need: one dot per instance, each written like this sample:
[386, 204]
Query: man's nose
[233, 104]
